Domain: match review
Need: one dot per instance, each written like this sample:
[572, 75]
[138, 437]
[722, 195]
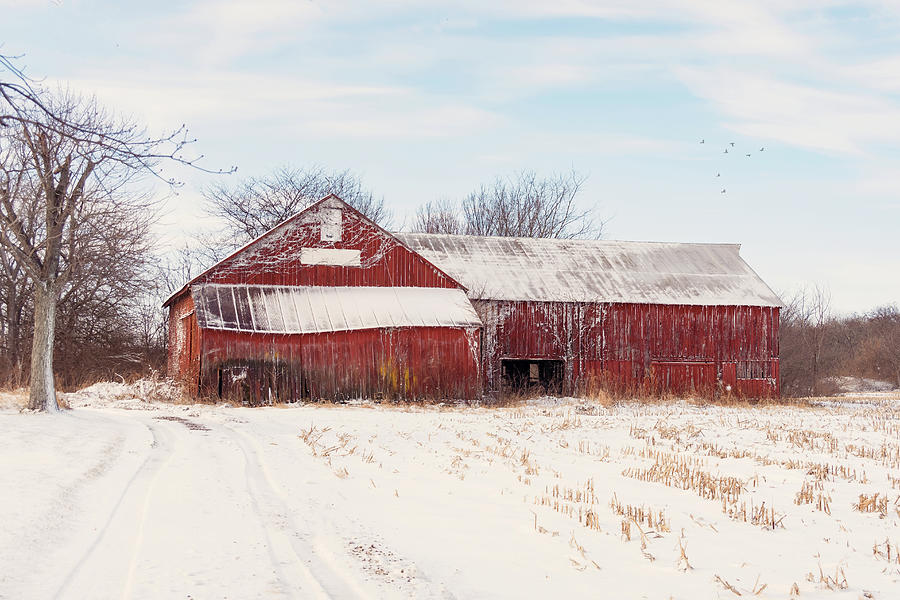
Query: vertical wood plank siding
[184, 341]
[419, 362]
[275, 259]
[648, 348]
[413, 363]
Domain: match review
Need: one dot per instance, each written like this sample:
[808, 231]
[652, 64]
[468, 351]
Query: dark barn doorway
[523, 375]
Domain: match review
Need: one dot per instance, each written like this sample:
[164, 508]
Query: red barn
[329, 305]
[325, 305]
[633, 316]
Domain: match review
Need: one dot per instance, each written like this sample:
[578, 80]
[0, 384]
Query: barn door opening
[530, 374]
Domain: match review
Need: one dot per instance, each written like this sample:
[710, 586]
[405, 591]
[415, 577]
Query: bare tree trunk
[815, 374]
[14, 316]
[43, 385]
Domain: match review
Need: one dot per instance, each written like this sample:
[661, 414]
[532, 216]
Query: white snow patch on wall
[335, 257]
[331, 224]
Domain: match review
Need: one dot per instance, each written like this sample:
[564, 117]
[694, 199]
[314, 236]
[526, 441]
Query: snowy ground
[852, 386]
[123, 498]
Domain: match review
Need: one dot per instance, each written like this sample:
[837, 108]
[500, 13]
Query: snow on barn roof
[505, 268]
[314, 309]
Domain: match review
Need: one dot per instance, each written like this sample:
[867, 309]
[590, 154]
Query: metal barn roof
[308, 309]
[502, 268]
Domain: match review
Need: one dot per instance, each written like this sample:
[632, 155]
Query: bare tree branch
[251, 207]
[523, 205]
[69, 215]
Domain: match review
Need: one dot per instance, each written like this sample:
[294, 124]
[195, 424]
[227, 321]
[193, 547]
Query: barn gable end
[325, 305]
[328, 244]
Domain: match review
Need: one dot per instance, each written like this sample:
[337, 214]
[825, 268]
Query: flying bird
[726, 150]
[732, 144]
[761, 149]
[702, 141]
[748, 155]
[718, 174]
[723, 191]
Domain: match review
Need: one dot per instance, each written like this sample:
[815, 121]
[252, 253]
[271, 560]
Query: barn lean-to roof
[550, 270]
[319, 309]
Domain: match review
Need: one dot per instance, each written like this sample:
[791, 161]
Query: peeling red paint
[275, 258]
[411, 363]
[184, 341]
[391, 362]
[648, 348]
[619, 345]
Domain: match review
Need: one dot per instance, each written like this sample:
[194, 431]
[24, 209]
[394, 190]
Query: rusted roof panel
[310, 309]
[501, 268]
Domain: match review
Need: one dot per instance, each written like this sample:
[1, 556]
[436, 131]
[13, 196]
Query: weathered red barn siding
[413, 363]
[636, 347]
[628, 316]
[184, 341]
[274, 259]
[419, 362]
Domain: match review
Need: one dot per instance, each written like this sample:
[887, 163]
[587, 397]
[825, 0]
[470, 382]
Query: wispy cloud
[177, 94]
[224, 29]
[795, 114]
[444, 121]
[300, 105]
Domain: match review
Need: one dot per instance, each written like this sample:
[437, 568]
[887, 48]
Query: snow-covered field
[129, 499]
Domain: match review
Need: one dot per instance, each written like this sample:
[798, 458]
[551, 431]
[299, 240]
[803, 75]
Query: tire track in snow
[313, 562]
[159, 456]
[139, 537]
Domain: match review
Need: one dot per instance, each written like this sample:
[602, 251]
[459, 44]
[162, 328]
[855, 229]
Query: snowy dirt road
[129, 504]
[551, 500]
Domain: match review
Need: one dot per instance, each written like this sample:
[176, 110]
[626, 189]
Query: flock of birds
[731, 145]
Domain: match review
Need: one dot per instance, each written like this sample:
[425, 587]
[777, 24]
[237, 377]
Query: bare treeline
[817, 346]
[74, 234]
[523, 205]
[76, 241]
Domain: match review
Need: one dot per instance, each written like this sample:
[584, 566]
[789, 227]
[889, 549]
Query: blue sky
[428, 100]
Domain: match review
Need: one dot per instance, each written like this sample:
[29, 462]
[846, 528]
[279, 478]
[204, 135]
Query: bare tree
[527, 205]
[440, 216]
[804, 333]
[819, 310]
[100, 304]
[879, 354]
[66, 161]
[523, 205]
[253, 206]
[16, 306]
